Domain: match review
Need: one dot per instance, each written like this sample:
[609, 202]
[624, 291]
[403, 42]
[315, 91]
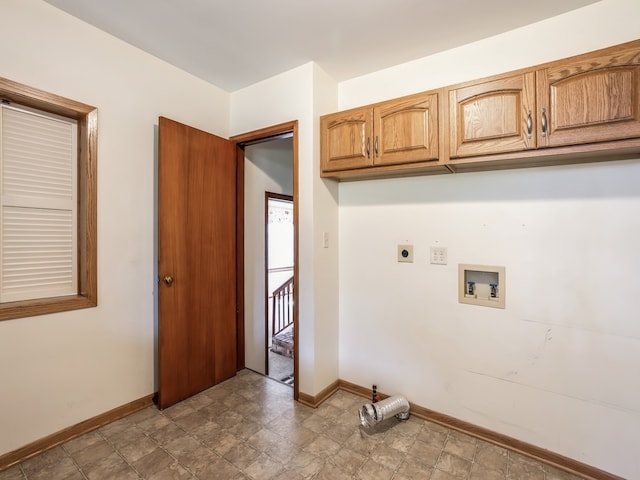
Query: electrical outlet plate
[439, 255]
[405, 253]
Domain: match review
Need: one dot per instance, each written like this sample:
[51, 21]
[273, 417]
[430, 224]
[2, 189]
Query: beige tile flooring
[250, 428]
[280, 367]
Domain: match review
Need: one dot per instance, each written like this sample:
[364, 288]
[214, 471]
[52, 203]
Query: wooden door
[406, 130]
[346, 140]
[594, 98]
[197, 261]
[493, 117]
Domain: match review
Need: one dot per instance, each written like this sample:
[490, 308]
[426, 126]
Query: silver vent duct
[372, 413]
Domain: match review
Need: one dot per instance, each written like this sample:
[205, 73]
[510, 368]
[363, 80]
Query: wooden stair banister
[282, 312]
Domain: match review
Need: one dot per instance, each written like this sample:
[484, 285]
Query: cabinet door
[346, 140]
[493, 117]
[406, 130]
[595, 98]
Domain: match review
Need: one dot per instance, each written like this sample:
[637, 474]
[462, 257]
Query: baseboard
[9, 459]
[314, 401]
[559, 461]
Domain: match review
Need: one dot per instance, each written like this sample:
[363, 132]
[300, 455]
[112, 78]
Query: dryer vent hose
[372, 413]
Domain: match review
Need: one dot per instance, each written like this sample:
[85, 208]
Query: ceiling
[235, 43]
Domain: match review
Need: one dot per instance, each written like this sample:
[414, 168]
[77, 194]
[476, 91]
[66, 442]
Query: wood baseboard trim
[559, 461]
[314, 401]
[356, 389]
[21, 454]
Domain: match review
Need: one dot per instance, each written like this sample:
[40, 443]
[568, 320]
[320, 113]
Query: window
[38, 211]
[47, 203]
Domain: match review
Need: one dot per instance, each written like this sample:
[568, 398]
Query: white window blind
[38, 187]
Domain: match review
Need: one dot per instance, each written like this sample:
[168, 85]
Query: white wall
[325, 264]
[303, 94]
[268, 168]
[599, 25]
[57, 370]
[558, 367]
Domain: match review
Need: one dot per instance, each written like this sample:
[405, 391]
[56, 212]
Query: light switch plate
[439, 255]
[405, 253]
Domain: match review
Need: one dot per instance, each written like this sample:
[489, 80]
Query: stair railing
[282, 312]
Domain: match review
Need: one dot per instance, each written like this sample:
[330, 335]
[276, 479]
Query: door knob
[168, 279]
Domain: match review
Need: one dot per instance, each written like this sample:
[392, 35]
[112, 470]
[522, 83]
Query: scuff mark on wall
[585, 328]
[500, 420]
[539, 351]
[592, 401]
[548, 337]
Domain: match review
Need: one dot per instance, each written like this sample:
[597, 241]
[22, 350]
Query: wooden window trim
[87, 117]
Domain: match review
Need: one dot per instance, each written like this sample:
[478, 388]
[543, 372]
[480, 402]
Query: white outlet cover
[405, 253]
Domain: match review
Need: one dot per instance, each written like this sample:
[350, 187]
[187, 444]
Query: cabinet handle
[529, 125]
[368, 147]
[544, 122]
[375, 146]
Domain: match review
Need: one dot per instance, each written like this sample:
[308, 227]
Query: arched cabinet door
[592, 98]
[346, 140]
[491, 117]
[406, 130]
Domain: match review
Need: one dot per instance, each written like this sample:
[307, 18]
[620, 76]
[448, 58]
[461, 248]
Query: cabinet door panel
[493, 117]
[406, 131]
[346, 140]
[591, 100]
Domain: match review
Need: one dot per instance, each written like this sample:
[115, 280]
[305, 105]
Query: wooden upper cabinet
[406, 130]
[398, 132]
[493, 117]
[580, 109]
[346, 139]
[592, 98]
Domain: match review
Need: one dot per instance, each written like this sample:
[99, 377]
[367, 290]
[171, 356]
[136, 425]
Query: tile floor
[281, 368]
[250, 428]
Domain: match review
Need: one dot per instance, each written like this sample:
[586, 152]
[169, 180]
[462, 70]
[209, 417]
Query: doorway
[268, 165]
[279, 261]
[230, 338]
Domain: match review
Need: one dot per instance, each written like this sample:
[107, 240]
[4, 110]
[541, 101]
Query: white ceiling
[235, 43]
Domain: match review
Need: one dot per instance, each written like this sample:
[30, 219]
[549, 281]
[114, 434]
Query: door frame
[268, 196]
[265, 134]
